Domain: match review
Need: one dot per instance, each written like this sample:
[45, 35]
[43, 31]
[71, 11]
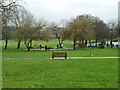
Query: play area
[78, 45]
[45, 47]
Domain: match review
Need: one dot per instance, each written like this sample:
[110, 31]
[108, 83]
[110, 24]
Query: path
[64, 58]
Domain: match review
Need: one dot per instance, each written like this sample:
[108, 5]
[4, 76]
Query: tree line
[20, 25]
[86, 27]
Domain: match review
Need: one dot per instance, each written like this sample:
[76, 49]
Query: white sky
[56, 10]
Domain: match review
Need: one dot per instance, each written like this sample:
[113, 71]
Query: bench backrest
[59, 53]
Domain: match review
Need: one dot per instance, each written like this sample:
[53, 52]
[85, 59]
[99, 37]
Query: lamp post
[90, 41]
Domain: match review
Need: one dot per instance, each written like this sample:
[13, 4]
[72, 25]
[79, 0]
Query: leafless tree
[32, 30]
[7, 8]
[113, 30]
[79, 28]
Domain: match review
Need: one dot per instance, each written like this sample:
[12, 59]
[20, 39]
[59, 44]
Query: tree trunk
[96, 43]
[74, 43]
[6, 43]
[107, 44]
[18, 46]
[86, 42]
[31, 44]
[58, 40]
[111, 42]
[28, 47]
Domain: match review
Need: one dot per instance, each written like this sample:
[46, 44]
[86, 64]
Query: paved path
[64, 58]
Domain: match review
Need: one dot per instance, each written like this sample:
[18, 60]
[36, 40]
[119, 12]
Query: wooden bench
[59, 54]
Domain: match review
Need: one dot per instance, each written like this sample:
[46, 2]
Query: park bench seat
[59, 54]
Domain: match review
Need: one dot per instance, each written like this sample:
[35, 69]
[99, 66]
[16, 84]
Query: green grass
[12, 52]
[96, 73]
[38, 73]
[52, 43]
[107, 52]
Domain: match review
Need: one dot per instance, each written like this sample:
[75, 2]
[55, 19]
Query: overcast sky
[56, 10]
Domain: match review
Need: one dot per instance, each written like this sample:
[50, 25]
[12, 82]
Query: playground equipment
[37, 47]
[40, 47]
[79, 46]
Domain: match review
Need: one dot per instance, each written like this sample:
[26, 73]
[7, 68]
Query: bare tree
[113, 30]
[32, 30]
[55, 31]
[79, 28]
[18, 21]
[7, 8]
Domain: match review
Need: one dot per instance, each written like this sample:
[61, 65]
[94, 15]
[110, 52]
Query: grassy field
[101, 73]
[47, 73]
[12, 52]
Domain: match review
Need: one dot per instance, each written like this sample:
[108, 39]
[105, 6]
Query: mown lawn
[96, 73]
[107, 52]
[12, 52]
[47, 73]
